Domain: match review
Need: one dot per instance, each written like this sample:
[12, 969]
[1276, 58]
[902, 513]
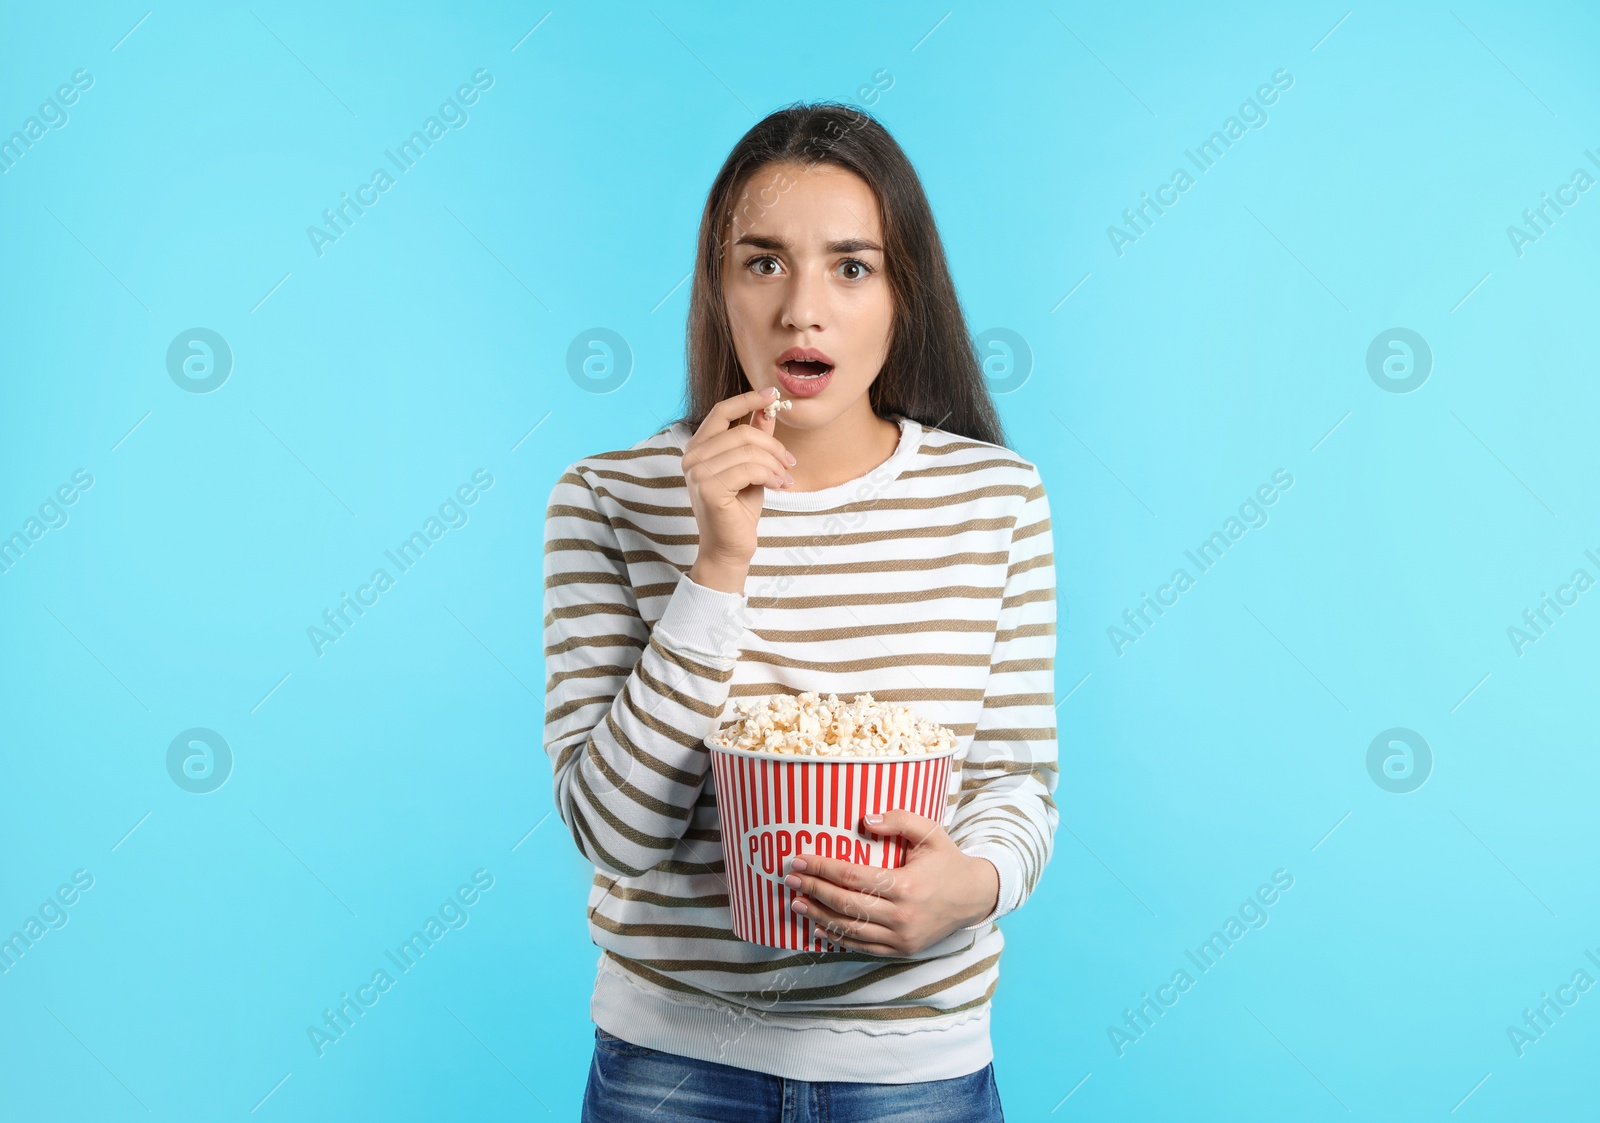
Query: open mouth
[806, 368]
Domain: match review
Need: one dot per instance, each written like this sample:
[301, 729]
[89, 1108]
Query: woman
[873, 536]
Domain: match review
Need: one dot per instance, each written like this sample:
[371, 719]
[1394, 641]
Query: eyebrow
[848, 245]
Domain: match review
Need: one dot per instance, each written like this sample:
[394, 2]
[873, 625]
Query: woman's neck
[846, 450]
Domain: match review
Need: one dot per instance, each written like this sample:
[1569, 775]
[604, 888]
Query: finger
[919, 828]
[763, 428]
[739, 436]
[759, 420]
[762, 435]
[869, 949]
[867, 907]
[729, 410]
[852, 927]
[739, 478]
[727, 458]
[739, 468]
[831, 869]
[851, 875]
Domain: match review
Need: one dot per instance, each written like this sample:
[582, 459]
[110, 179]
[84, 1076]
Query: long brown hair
[931, 372]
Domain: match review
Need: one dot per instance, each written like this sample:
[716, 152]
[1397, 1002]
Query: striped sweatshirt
[928, 582]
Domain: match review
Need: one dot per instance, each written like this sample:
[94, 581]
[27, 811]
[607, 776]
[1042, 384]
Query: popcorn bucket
[774, 805]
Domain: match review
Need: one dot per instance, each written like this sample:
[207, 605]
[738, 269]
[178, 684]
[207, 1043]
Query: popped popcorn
[809, 725]
[771, 408]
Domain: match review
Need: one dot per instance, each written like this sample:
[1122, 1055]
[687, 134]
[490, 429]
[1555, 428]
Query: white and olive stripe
[930, 582]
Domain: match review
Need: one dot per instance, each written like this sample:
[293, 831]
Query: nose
[803, 300]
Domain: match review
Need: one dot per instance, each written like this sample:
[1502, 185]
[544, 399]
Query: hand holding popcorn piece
[727, 467]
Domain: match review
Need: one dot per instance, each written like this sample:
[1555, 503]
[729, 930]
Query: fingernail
[798, 864]
[792, 881]
[874, 819]
[772, 392]
[787, 479]
[792, 460]
[800, 906]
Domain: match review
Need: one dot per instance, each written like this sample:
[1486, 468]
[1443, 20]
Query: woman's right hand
[726, 466]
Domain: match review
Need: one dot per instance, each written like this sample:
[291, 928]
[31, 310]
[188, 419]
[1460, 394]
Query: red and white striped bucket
[774, 805]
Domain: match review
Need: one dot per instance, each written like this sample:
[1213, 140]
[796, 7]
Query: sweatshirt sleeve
[626, 707]
[1006, 811]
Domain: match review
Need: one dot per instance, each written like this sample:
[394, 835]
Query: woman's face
[804, 268]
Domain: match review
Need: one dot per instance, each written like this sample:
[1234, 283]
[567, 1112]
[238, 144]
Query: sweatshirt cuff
[1005, 863]
[706, 622]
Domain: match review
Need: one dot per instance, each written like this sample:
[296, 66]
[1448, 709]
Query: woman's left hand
[897, 911]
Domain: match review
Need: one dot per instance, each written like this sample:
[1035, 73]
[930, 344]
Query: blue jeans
[629, 1083]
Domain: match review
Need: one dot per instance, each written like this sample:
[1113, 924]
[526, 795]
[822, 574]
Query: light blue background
[432, 340]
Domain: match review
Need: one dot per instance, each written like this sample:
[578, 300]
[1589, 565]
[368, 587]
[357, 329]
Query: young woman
[875, 536]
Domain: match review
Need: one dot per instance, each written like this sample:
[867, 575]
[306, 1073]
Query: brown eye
[864, 268]
[756, 263]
